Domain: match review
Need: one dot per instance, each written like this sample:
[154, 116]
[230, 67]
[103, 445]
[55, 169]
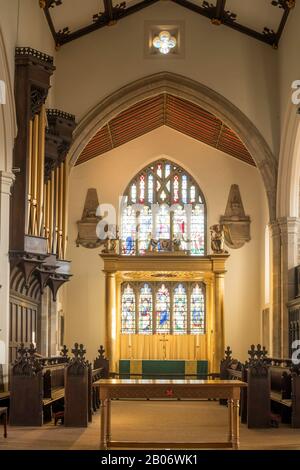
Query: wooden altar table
[169, 390]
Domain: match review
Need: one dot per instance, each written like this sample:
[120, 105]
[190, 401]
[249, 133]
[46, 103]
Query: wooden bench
[37, 388]
[273, 392]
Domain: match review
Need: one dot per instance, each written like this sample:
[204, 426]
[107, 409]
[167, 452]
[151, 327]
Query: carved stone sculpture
[236, 223]
[217, 239]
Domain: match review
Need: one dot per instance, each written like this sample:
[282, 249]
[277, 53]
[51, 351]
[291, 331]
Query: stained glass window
[163, 308]
[128, 230]
[157, 188]
[142, 189]
[163, 223]
[180, 310]
[197, 310]
[145, 309]
[144, 229]
[128, 310]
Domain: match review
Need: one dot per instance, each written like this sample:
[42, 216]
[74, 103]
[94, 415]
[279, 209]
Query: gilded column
[219, 336]
[210, 315]
[111, 318]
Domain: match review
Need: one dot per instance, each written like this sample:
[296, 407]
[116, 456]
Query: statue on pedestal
[217, 239]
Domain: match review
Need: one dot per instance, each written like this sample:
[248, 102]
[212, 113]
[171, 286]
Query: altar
[147, 369]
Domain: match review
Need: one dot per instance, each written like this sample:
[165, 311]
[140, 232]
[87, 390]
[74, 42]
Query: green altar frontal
[147, 369]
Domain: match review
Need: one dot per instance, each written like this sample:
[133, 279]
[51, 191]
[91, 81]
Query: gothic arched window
[128, 309]
[163, 308]
[163, 209]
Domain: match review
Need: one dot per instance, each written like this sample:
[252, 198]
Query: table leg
[230, 419]
[5, 424]
[108, 423]
[103, 412]
[236, 425]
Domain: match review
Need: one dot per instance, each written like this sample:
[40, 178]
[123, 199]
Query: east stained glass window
[180, 310]
[128, 309]
[197, 309]
[145, 309]
[163, 202]
[163, 308]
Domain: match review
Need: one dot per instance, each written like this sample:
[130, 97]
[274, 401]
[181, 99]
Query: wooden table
[170, 390]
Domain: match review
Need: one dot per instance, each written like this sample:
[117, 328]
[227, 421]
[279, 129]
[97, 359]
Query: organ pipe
[29, 195]
[41, 168]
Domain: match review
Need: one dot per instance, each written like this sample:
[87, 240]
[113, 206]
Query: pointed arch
[197, 93]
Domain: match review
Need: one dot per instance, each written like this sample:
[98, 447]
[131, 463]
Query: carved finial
[22, 351]
[75, 351]
[228, 353]
[64, 351]
[81, 352]
[32, 350]
[101, 351]
[251, 352]
[265, 352]
[257, 355]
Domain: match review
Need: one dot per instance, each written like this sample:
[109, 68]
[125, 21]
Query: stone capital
[289, 225]
[6, 181]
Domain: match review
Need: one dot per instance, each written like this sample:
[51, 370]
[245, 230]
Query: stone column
[111, 318]
[289, 229]
[6, 180]
[275, 291]
[219, 334]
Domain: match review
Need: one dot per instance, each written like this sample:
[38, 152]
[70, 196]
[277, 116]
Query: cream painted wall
[215, 172]
[238, 67]
[289, 65]
[23, 23]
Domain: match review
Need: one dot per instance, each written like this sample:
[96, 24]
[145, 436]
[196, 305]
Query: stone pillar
[6, 180]
[275, 291]
[219, 334]
[111, 318]
[289, 229]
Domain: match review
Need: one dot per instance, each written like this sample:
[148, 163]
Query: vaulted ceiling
[261, 19]
[170, 111]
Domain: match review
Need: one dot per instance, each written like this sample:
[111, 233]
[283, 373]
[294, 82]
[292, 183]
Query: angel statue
[217, 239]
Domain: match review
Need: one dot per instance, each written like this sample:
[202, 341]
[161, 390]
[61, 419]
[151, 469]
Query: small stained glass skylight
[164, 42]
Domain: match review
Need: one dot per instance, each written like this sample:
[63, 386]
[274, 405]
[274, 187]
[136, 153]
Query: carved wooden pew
[77, 389]
[273, 385]
[37, 387]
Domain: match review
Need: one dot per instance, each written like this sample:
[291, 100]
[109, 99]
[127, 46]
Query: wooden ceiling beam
[287, 6]
[109, 10]
[118, 13]
[211, 13]
[220, 8]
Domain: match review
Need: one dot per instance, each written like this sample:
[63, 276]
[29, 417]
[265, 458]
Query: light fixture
[164, 42]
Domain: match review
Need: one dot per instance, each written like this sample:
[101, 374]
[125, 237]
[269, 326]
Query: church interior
[149, 224]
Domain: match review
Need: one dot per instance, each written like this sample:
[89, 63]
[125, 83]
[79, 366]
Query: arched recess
[289, 166]
[190, 90]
